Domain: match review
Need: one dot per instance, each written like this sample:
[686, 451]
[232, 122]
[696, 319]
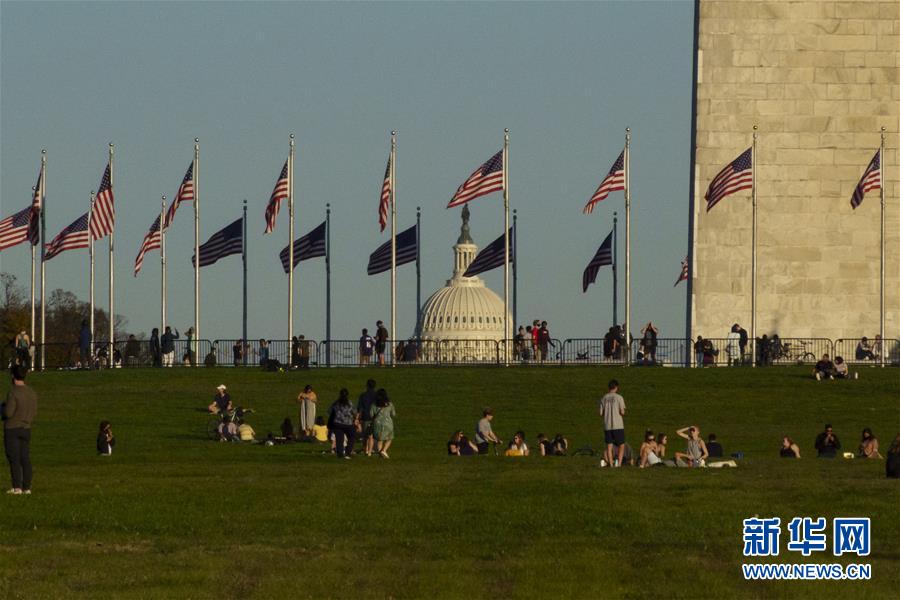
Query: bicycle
[789, 352]
[215, 422]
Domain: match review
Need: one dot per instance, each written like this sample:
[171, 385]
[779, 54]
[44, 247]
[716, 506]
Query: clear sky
[565, 78]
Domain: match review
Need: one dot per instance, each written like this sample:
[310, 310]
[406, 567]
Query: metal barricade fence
[468, 352]
[794, 351]
[856, 352]
[592, 351]
[524, 352]
[667, 352]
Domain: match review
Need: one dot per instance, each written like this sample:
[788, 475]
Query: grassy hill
[172, 514]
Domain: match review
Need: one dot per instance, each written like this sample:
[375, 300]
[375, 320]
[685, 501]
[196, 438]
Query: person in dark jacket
[827, 443]
[342, 419]
[105, 439]
[892, 464]
[19, 412]
[155, 352]
[167, 346]
[84, 345]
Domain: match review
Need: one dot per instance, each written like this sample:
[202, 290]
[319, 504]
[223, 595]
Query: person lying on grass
[696, 453]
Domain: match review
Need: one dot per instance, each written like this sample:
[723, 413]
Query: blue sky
[565, 78]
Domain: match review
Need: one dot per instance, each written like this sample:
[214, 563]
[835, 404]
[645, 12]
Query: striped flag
[311, 245]
[490, 257]
[14, 229]
[72, 237]
[380, 260]
[103, 217]
[278, 194]
[684, 272]
[604, 256]
[871, 180]
[385, 201]
[614, 180]
[486, 179]
[37, 205]
[225, 242]
[152, 241]
[736, 176]
[185, 194]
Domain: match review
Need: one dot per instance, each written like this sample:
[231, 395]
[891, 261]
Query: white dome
[463, 309]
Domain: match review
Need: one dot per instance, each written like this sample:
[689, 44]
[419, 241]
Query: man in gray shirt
[484, 434]
[18, 412]
[612, 409]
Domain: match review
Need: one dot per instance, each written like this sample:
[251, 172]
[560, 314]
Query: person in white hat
[222, 400]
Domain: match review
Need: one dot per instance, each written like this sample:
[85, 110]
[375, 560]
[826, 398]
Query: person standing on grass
[18, 412]
[827, 443]
[383, 422]
[307, 401]
[381, 340]
[484, 433]
[612, 411]
[84, 345]
[167, 346]
[342, 419]
[304, 351]
[155, 352]
[365, 409]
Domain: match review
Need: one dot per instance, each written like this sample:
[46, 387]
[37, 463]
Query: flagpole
[112, 262]
[418, 274]
[883, 185]
[327, 284]
[43, 240]
[515, 271]
[393, 243]
[196, 173]
[290, 334]
[91, 292]
[753, 253]
[244, 260]
[628, 245]
[33, 254]
[506, 335]
[615, 250]
[162, 265]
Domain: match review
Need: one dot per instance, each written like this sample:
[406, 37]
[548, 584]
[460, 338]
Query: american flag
[486, 179]
[37, 204]
[604, 256]
[103, 217]
[225, 242]
[278, 194]
[311, 245]
[736, 176]
[490, 257]
[871, 180]
[385, 202]
[152, 241]
[185, 194]
[14, 228]
[72, 237]
[684, 272]
[407, 250]
[614, 180]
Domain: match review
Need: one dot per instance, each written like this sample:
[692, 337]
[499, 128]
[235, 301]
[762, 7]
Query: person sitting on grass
[789, 449]
[544, 446]
[868, 446]
[647, 451]
[697, 453]
[560, 445]
[627, 453]
[246, 433]
[892, 464]
[841, 371]
[864, 350]
[517, 447]
[221, 403]
[287, 429]
[827, 443]
[662, 440]
[105, 439]
[714, 447]
[484, 433]
[320, 430]
[460, 445]
[824, 368]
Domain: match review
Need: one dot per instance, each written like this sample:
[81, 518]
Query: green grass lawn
[172, 514]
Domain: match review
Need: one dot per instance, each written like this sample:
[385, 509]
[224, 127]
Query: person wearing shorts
[612, 410]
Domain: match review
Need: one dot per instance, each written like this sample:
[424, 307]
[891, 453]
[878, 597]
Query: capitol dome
[464, 319]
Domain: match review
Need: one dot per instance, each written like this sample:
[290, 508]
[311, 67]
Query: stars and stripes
[736, 176]
[491, 257]
[486, 179]
[385, 203]
[278, 194]
[614, 181]
[103, 216]
[14, 228]
[311, 245]
[225, 242]
[871, 180]
[152, 241]
[185, 194]
[37, 205]
[72, 237]
[407, 250]
[604, 256]
[684, 272]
